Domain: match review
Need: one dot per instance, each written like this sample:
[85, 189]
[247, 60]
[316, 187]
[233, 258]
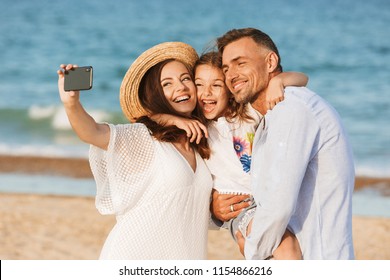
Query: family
[228, 140]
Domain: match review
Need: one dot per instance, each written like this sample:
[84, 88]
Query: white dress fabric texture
[161, 204]
[231, 152]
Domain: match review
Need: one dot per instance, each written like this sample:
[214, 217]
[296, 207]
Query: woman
[151, 177]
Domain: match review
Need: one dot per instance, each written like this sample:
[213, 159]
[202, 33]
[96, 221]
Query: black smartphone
[79, 78]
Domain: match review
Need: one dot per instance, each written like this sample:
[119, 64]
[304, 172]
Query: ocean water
[343, 46]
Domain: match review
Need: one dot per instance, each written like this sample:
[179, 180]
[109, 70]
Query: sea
[342, 45]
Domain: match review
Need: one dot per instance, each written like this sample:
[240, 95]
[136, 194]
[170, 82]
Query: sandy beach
[44, 227]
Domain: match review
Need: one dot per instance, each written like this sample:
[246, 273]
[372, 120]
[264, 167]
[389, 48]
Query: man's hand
[227, 206]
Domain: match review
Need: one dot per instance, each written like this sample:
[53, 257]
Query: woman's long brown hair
[153, 99]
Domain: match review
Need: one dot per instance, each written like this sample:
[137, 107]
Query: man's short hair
[260, 38]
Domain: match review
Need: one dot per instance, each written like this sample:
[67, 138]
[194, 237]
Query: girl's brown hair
[153, 100]
[234, 109]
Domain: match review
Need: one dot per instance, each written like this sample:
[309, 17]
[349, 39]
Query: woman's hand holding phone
[82, 123]
[67, 97]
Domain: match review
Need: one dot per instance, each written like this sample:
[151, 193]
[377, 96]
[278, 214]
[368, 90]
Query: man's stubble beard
[245, 99]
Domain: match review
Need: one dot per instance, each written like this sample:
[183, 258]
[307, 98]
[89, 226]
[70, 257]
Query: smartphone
[79, 78]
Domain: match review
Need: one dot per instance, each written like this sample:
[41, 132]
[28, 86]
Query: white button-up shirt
[302, 179]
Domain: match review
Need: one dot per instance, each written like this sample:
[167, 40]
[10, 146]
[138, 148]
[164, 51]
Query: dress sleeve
[121, 172]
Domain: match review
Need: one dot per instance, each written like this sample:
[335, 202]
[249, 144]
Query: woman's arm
[195, 129]
[82, 123]
[275, 90]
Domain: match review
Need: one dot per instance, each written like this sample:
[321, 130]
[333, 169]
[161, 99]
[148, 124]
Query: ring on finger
[231, 207]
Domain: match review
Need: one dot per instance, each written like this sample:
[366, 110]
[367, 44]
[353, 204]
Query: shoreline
[79, 168]
[69, 227]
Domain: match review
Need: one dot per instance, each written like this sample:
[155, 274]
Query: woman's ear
[272, 62]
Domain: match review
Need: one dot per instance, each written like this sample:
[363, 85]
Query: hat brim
[129, 90]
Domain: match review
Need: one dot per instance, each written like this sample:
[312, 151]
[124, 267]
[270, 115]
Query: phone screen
[79, 78]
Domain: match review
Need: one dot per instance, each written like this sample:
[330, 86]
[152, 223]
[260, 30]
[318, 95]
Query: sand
[45, 227]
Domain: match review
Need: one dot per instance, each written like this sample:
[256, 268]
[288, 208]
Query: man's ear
[272, 62]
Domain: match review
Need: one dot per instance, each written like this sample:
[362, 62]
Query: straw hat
[129, 98]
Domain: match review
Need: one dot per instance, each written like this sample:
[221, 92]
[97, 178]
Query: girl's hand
[274, 92]
[67, 97]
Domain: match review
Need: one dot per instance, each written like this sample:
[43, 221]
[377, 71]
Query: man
[302, 164]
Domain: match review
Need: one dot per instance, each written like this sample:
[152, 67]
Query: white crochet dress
[161, 204]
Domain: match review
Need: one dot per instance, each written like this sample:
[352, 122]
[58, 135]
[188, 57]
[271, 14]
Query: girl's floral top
[243, 146]
[231, 153]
